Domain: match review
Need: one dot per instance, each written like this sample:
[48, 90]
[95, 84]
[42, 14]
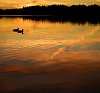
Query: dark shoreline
[57, 13]
[56, 10]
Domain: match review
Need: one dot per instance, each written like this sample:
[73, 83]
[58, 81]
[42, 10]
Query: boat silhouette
[18, 30]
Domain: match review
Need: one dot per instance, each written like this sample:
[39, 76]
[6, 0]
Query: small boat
[18, 30]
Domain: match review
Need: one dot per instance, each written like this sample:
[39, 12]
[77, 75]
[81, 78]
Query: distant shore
[55, 10]
[60, 13]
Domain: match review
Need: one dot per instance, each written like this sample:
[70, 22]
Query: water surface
[50, 56]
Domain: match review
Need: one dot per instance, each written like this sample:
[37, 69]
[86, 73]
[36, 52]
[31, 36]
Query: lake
[49, 57]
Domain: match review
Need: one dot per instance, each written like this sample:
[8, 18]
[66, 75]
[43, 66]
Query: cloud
[21, 3]
[98, 0]
[14, 3]
[44, 2]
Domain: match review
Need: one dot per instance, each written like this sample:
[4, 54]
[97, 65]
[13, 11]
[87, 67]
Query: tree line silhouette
[61, 12]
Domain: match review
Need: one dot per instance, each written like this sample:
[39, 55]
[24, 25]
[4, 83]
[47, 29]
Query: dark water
[50, 57]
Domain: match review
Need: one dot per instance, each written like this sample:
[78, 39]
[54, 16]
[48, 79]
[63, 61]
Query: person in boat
[21, 31]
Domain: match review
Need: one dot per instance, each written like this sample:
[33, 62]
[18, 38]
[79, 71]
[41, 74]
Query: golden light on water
[53, 39]
[53, 56]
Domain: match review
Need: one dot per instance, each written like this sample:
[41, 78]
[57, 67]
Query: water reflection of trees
[54, 19]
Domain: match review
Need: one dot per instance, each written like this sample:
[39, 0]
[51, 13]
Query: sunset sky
[20, 3]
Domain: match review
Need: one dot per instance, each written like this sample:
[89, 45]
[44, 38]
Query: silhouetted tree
[74, 12]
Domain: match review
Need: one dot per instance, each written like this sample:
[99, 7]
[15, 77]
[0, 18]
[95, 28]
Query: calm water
[50, 57]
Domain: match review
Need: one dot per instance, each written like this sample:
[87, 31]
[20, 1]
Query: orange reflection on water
[48, 56]
[47, 40]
